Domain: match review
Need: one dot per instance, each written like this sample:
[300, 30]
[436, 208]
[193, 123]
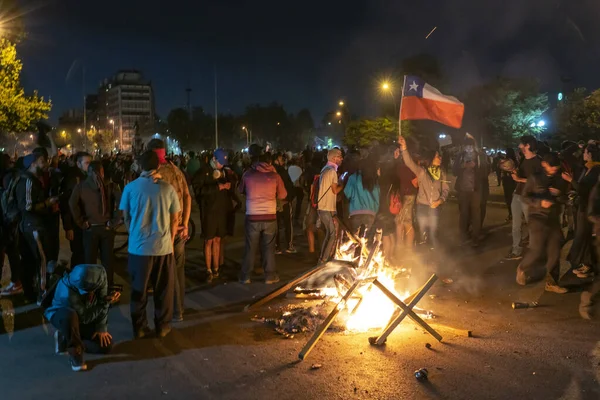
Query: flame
[369, 308]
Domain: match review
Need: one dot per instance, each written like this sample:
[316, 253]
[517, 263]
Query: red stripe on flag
[445, 113]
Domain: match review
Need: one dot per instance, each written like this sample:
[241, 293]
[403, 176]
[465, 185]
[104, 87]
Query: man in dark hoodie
[263, 187]
[79, 312]
[73, 175]
[284, 209]
[34, 206]
[94, 207]
[544, 193]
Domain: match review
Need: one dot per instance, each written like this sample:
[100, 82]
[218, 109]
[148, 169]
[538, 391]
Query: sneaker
[513, 256]
[13, 289]
[215, 273]
[163, 332]
[584, 271]
[555, 288]
[177, 318]
[76, 360]
[40, 297]
[291, 250]
[270, 281]
[245, 281]
[60, 344]
[142, 333]
[278, 251]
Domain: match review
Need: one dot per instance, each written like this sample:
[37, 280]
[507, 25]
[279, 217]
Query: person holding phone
[34, 206]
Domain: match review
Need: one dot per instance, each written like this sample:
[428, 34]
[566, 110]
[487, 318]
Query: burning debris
[362, 286]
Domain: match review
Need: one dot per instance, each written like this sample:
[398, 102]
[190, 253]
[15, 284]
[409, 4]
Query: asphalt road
[219, 353]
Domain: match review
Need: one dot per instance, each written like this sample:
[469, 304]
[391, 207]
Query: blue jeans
[330, 225]
[261, 233]
[428, 219]
[519, 209]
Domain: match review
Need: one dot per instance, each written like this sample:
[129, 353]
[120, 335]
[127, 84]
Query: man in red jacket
[263, 187]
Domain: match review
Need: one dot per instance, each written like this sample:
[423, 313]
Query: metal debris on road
[517, 306]
[316, 366]
[447, 281]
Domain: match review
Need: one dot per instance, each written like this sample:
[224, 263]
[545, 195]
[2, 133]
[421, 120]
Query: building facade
[123, 101]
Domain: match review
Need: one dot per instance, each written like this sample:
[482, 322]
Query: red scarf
[162, 154]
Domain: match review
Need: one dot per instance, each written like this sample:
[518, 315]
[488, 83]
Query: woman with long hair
[582, 256]
[362, 191]
[433, 189]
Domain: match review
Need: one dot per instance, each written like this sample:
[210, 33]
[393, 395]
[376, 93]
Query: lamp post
[248, 136]
[386, 87]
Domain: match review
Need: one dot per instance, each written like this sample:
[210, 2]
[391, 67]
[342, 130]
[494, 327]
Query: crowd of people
[396, 191]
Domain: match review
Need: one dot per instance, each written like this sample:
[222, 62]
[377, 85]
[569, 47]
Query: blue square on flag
[413, 86]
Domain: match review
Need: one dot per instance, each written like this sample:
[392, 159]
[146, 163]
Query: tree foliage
[18, 111]
[366, 132]
[577, 116]
[504, 110]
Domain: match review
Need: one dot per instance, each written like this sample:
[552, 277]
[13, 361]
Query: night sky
[305, 53]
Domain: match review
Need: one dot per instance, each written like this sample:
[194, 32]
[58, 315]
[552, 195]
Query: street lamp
[63, 134]
[339, 113]
[341, 103]
[248, 135]
[385, 86]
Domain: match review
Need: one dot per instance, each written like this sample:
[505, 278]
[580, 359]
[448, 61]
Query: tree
[504, 110]
[366, 132]
[18, 111]
[577, 116]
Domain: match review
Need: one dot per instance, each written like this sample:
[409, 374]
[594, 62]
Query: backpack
[8, 199]
[395, 202]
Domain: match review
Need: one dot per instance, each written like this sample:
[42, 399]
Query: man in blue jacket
[79, 312]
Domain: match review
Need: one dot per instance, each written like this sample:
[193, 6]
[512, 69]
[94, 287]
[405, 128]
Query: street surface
[546, 353]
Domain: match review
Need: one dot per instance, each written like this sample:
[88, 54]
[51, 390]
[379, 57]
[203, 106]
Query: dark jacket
[86, 203]
[72, 178]
[537, 189]
[31, 201]
[480, 172]
[287, 182]
[72, 291]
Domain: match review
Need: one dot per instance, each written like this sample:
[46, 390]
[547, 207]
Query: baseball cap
[222, 156]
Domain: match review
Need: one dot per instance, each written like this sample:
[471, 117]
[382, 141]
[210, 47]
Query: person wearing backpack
[362, 191]
[327, 202]
[9, 227]
[34, 207]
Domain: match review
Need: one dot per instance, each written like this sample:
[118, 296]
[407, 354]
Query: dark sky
[302, 53]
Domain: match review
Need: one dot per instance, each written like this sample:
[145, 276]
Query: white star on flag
[414, 86]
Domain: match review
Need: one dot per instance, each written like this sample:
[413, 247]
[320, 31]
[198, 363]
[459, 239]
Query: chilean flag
[423, 101]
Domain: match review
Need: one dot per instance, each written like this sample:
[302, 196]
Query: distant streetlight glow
[112, 122]
[442, 136]
[541, 123]
[63, 134]
[341, 103]
[79, 130]
[329, 123]
[385, 85]
[339, 113]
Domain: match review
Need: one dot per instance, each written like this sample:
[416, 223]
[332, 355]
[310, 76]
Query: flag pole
[400, 110]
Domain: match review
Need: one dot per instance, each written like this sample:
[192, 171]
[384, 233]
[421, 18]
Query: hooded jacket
[262, 186]
[72, 291]
[430, 190]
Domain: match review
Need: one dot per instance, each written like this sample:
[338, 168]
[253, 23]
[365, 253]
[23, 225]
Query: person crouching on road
[79, 312]
[151, 212]
[543, 194]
